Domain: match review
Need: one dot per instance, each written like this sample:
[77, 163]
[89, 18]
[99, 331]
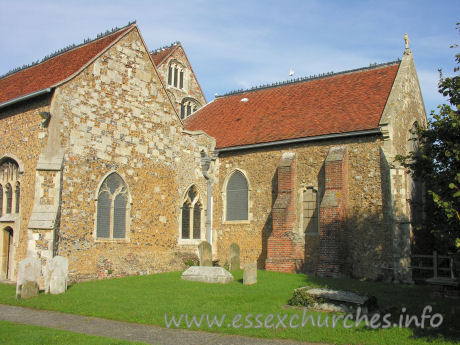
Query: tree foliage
[436, 162]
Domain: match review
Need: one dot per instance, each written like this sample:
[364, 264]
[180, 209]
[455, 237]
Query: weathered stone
[234, 257]
[250, 274]
[29, 270]
[205, 250]
[332, 300]
[116, 115]
[216, 275]
[29, 289]
[56, 275]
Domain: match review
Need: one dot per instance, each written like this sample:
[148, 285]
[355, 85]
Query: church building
[112, 157]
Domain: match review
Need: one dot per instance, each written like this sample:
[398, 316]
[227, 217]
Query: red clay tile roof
[160, 55]
[54, 70]
[340, 103]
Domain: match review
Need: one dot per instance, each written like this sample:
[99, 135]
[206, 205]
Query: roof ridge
[309, 78]
[156, 51]
[66, 49]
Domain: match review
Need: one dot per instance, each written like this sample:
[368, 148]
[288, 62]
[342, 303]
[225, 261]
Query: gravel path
[127, 331]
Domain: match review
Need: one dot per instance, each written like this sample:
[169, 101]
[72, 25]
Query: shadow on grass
[391, 299]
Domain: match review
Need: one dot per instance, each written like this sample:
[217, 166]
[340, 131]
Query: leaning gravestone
[56, 274]
[234, 257]
[250, 274]
[29, 270]
[205, 250]
[216, 275]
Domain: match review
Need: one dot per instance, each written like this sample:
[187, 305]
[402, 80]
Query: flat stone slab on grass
[205, 274]
[332, 300]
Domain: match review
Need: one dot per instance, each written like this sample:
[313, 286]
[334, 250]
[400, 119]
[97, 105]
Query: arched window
[1, 200]
[9, 198]
[17, 193]
[112, 208]
[191, 215]
[237, 197]
[9, 178]
[176, 74]
[188, 106]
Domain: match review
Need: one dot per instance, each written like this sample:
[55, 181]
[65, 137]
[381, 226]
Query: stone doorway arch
[7, 253]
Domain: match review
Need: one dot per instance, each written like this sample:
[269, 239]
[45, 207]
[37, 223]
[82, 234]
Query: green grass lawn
[18, 334]
[146, 299]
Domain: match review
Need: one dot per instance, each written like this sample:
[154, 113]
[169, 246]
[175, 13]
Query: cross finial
[406, 40]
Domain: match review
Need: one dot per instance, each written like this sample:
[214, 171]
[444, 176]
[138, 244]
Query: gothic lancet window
[112, 208]
[237, 197]
[9, 198]
[1, 200]
[176, 72]
[17, 193]
[188, 107]
[9, 179]
[191, 215]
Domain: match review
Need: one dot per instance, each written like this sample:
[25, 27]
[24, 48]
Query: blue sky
[239, 44]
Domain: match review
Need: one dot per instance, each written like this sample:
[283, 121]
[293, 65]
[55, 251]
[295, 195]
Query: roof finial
[406, 40]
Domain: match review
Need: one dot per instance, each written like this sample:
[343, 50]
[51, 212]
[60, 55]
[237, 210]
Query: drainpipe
[205, 164]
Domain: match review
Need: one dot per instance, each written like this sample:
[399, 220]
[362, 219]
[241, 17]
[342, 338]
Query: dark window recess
[185, 221]
[310, 211]
[182, 111]
[9, 198]
[237, 197]
[181, 80]
[18, 197]
[103, 215]
[189, 109]
[170, 75]
[175, 77]
[119, 216]
[197, 221]
[191, 194]
[1, 200]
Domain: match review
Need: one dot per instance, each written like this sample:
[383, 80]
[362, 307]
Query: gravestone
[29, 289]
[234, 257]
[250, 274]
[204, 274]
[29, 270]
[56, 274]
[332, 300]
[205, 250]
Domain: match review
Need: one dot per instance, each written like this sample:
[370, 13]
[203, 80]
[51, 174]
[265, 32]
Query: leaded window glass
[191, 215]
[112, 208]
[237, 197]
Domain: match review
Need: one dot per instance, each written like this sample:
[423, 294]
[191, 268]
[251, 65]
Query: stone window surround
[192, 241]
[188, 101]
[302, 189]
[224, 199]
[172, 66]
[14, 182]
[128, 212]
[12, 220]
